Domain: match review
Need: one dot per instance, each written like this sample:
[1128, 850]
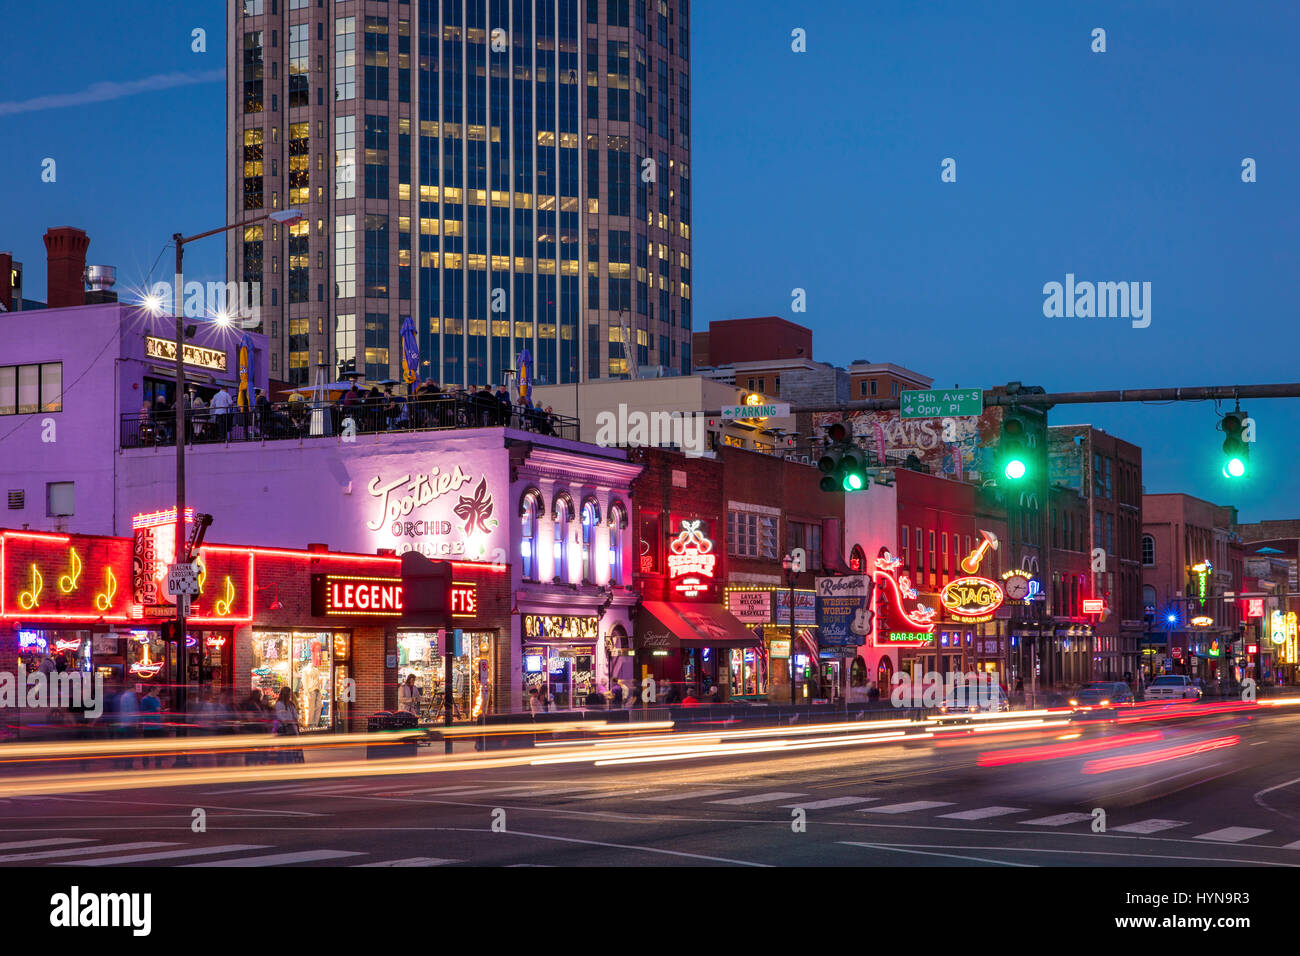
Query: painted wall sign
[691, 561]
[844, 610]
[195, 355]
[805, 608]
[441, 513]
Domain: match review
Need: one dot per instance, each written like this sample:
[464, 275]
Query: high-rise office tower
[510, 174]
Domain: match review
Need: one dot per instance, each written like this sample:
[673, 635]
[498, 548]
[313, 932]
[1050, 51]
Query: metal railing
[290, 421]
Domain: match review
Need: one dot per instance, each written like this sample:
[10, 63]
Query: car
[1173, 687]
[1102, 694]
[975, 699]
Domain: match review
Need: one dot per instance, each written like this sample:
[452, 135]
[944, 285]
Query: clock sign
[1015, 583]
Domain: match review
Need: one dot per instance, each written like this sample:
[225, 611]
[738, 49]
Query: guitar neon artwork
[971, 563]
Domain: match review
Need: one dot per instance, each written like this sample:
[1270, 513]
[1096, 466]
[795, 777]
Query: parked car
[1100, 694]
[1173, 687]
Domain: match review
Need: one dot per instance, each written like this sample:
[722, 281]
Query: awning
[662, 625]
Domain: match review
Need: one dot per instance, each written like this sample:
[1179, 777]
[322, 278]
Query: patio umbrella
[245, 349]
[410, 352]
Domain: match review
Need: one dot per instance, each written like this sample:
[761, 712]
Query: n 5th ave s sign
[942, 403]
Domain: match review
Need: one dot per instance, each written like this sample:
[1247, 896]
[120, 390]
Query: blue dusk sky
[821, 171]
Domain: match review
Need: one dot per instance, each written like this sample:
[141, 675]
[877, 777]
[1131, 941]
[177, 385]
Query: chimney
[66, 266]
[6, 284]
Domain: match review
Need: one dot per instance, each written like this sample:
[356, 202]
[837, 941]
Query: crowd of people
[358, 409]
[636, 694]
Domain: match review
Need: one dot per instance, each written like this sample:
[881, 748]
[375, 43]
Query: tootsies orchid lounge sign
[446, 512]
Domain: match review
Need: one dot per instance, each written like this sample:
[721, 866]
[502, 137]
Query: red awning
[661, 624]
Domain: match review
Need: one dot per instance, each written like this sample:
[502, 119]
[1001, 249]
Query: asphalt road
[1229, 797]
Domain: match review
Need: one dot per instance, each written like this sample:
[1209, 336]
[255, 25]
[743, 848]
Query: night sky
[821, 171]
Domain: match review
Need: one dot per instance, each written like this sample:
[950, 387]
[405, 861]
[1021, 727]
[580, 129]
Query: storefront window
[303, 661]
[418, 654]
[748, 676]
[65, 650]
[528, 536]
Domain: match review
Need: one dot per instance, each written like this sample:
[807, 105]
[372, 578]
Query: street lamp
[286, 217]
[790, 577]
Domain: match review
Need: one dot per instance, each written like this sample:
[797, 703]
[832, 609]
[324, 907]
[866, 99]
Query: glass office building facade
[510, 174]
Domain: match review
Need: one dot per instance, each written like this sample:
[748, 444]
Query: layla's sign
[691, 561]
[165, 349]
[972, 599]
[335, 594]
[441, 514]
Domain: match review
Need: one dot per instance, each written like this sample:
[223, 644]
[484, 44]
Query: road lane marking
[1059, 820]
[165, 854]
[1292, 846]
[954, 856]
[756, 798]
[80, 851]
[689, 795]
[49, 841]
[1154, 825]
[831, 802]
[907, 807]
[280, 859]
[1232, 834]
[626, 846]
[412, 861]
[983, 813]
[1140, 855]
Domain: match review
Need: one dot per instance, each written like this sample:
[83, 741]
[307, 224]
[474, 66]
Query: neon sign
[1094, 606]
[43, 577]
[891, 590]
[1284, 627]
[972, 599]
[31, 598]
[1202, 621]
[691, 558]
[1202, 572]
[1254, 607]
[336, 594]
[68, 582]
[464, 599]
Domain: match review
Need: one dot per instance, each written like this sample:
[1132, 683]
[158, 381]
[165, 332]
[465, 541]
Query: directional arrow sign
[943, 403]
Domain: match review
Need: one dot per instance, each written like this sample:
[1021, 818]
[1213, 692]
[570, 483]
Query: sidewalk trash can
[385, 721]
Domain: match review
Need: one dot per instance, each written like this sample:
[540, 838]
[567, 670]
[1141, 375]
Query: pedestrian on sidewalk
[286, 725]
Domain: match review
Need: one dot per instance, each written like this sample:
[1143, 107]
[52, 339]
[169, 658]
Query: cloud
[108, 90]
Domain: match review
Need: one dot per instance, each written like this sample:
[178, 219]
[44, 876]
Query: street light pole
[788, 564]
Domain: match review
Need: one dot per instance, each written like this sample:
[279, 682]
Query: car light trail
[999, 758]
[1149, 757]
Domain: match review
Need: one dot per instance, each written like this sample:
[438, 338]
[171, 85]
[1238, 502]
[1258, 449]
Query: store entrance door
[560, 681]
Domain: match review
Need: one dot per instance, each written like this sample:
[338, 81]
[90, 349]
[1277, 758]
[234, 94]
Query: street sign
[942, 403]
[182, 579]
[771, 410]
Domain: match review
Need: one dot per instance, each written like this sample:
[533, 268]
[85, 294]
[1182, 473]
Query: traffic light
[1236, 452]
[843, 465]
[1013, 448]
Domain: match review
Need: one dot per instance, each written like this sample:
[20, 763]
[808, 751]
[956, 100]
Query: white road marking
[954, 856]
[1154, 825]
[983, 813]
[280, 859]
[1059, 820]
[755, 798]
[79, 851]
[907, 807]
[49, 841]
[1292, 846]
[299, 785]
[166, 854]
[1232, 834]
[689, 795]
[412, 861]
[831, 802]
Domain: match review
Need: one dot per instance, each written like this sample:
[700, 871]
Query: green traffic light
[1235, 468]
[852, 482]
[1014, 469]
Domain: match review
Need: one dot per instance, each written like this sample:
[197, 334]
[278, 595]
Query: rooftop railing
[297, 420]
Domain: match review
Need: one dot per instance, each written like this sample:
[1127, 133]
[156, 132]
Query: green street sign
[943, 403]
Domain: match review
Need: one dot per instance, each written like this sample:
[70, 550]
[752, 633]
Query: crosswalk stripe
[79, 851]
[831, 802]
[552, 791]
[1232, 834]
[983, 813]
[278, 787]
[755, 798]
[908, 807]
[1059, 820]
[279, 859]
[1154, 825]
[598, 795]
[48, 841]
[690, 795]
[476, 791]
[412, 861]
[166, 854]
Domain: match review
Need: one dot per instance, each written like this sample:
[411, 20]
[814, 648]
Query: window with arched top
[884, 674]
[530, 507]
[1148, 550]
[590, 519]
[563, 514]
[617, 527]
[857, 559]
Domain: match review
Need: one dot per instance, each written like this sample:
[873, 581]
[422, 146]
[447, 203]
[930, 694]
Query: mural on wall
[960, 448]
